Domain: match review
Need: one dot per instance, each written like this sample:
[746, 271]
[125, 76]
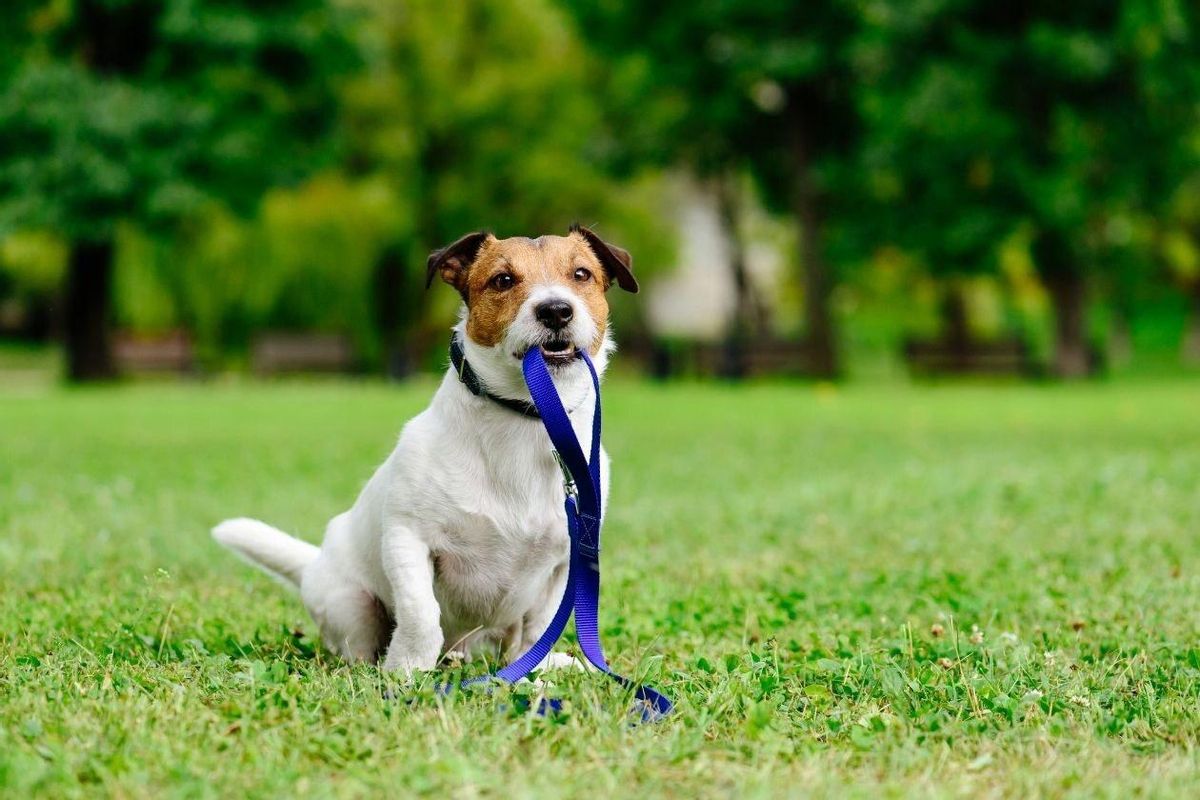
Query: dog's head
[522, 293]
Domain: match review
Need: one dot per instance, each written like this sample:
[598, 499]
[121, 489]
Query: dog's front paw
[408, 662]
[560, 661]
[412, 653]
[453, 658]
[408, 665]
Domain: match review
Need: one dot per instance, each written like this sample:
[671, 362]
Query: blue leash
[583, 507]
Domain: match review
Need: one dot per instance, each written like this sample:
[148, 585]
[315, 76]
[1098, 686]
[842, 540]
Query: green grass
[777, 560]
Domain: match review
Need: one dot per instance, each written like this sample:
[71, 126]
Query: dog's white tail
[270, 549]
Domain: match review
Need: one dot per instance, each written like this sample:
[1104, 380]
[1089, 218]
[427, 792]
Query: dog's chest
[498, 554]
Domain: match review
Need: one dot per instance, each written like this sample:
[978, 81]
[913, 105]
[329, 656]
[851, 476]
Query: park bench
[933, 357]
[139, 354]
[279, 353]
[674, 358]
[26, 319]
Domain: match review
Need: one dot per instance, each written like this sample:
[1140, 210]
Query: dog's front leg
[417, 638]
[538, 619]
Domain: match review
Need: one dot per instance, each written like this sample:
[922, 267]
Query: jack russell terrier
[458, 543]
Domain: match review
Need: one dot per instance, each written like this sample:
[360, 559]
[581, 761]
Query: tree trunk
[88, 311]
[957, 328]
[815, 277]
[1120, 336]
[751, 313]
[392, 306]
[749, 318]
[1190, 349]
[1069, 295]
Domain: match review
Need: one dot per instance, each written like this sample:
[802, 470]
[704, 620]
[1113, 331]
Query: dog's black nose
[554, 314]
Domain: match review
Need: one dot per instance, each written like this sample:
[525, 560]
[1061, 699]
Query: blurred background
[832, 189]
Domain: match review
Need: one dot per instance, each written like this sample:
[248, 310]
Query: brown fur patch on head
[547, 260]
[616, 260]
[453, 261]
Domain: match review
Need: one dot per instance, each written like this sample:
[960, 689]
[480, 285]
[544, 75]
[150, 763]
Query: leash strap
[584, 509]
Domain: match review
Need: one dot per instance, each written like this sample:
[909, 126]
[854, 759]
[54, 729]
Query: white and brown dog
[458, 542]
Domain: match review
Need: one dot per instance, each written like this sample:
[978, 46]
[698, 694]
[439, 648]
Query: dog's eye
[582, 275]
[502, 281]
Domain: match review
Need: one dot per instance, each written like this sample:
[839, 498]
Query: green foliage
[33, 260]
[138, 111]
[925, 592]
[752, 64]
[727, 88]
[477, 114]
[944, 134]
[1180, 245]
[473, 111]
[1065, 117]
[461, 118]
[304, 262]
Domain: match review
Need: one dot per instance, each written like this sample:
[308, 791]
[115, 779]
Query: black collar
[470, 380]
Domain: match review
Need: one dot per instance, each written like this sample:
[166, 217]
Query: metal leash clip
[568, 480]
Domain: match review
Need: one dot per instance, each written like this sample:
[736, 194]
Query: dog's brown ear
[452, 261]
[615, 260]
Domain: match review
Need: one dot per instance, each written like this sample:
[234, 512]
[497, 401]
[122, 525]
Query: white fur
[460, 536]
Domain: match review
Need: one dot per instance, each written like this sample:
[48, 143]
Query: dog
[457, 545]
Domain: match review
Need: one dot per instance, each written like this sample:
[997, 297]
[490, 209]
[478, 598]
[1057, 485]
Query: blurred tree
[476, 114]
[1180, 248]
[1064, 116]
[310, 247]
[726, 87]
[147, 111]
[929, 156]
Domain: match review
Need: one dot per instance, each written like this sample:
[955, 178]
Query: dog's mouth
[557, 352]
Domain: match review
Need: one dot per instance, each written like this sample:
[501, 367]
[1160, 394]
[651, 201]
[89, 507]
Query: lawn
[957, 591]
